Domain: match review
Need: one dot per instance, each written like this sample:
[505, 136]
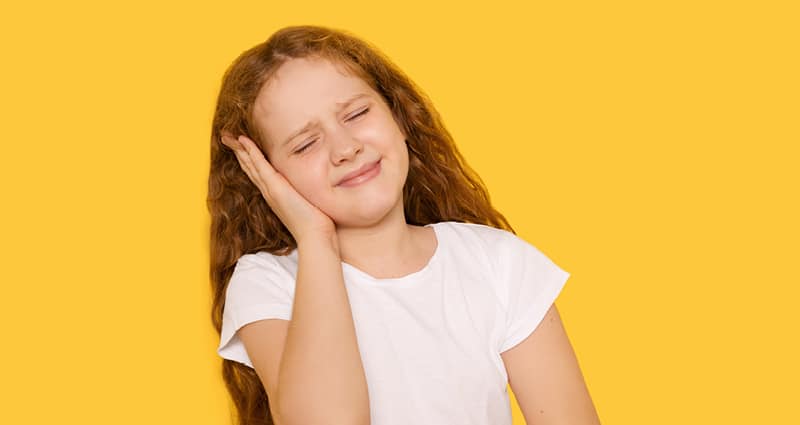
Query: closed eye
[305, 147]
[314, 140]
[358, 114]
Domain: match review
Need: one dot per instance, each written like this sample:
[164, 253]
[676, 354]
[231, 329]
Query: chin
[365, 214]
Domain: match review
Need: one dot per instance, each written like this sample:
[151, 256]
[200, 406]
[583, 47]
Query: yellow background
[649, 148]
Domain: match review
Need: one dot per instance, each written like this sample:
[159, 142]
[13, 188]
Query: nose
[345, 147]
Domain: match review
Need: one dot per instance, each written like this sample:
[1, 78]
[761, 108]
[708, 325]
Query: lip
[366, 172]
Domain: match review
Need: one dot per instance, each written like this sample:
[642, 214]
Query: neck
[386, 245]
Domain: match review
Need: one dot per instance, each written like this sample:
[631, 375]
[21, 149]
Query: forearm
[321, 378]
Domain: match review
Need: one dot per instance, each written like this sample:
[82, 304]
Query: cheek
[401, 150]
[404, 165]
[312, 184]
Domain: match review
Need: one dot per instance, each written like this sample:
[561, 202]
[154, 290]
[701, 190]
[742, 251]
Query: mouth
[366, 173]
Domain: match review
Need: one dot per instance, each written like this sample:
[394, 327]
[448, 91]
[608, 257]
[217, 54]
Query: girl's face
[321, 124]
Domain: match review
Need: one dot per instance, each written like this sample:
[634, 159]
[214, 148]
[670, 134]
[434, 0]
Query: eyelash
[312, 142]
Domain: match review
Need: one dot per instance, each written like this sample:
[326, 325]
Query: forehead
[300, 90]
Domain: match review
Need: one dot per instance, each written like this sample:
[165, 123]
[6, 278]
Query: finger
[247, 166]
[242, 163]
[257, 158]
[230, 141]
[247, 162]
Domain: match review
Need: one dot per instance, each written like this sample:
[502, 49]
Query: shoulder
[480, 245]
[507, 252]
[260, 259]
[478, 232]
[263, 262]
[495, 241]
[256, 271]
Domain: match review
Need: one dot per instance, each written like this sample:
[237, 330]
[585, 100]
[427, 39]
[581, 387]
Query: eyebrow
[310, 124]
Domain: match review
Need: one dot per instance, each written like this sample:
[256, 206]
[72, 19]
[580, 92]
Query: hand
[303, 219]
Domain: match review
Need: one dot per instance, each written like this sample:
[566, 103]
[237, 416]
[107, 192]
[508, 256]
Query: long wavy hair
[440, 186]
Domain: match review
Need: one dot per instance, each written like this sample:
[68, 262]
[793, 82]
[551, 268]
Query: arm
[311, 366]
[544, 374]
[264, 341]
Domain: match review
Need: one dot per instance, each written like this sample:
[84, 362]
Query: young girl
[360, 273]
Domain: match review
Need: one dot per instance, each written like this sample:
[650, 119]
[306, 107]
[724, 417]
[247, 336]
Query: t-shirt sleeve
[259, 288]
[531, 283]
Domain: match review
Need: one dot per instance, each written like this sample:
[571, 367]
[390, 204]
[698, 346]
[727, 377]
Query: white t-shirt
[430, 341]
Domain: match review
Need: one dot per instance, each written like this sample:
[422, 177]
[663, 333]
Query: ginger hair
[440, 186]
